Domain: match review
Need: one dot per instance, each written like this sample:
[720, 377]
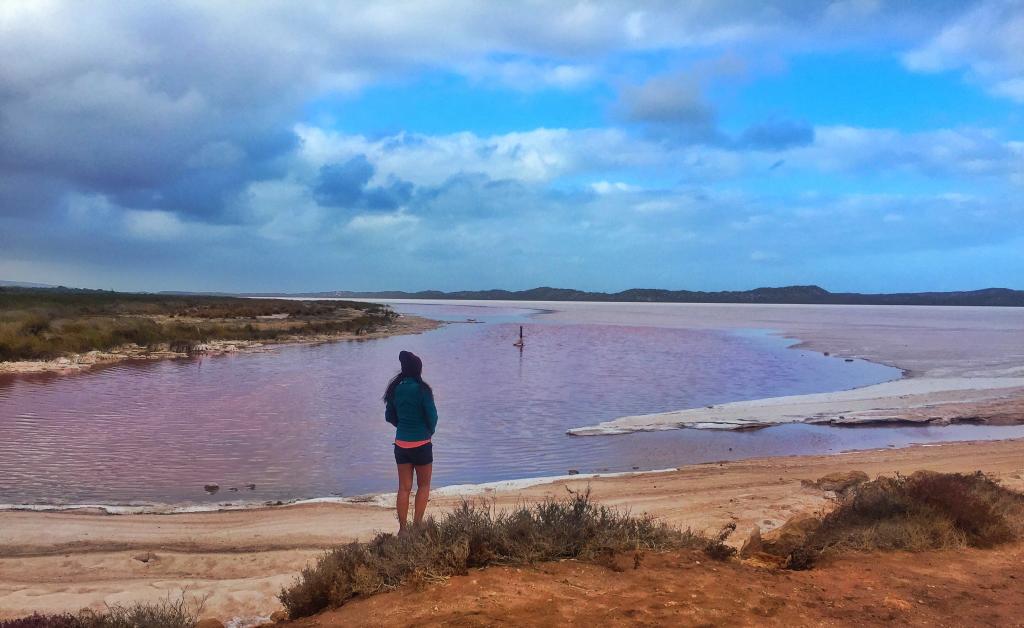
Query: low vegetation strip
[43, 324]
[476, 535]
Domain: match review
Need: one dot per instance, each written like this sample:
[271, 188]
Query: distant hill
[789, 294]
[23, 284]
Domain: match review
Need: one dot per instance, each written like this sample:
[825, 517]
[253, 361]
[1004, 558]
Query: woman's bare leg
[404, 488]
[423, 472]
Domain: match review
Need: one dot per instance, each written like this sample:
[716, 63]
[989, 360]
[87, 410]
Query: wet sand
[55, 561]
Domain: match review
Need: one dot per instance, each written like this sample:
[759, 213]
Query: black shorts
[424, 454]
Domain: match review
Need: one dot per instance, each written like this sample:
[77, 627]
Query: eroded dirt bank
[945, 588]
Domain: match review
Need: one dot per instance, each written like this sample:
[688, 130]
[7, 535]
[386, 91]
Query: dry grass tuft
[716, 547]
[181, 612]
[476, 535]
[923, 511]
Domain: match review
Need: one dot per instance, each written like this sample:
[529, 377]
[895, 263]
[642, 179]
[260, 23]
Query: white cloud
[748, 223]
[962, 153]
[763, 256]
[385, 224]
[657, 206]
[1012, 88]
[987, 40]
[612, 187]
[538, 155]
[546, 155]
[530, 74]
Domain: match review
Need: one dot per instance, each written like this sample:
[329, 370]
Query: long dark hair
[412, 368]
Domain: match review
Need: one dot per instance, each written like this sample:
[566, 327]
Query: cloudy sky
[860, 145]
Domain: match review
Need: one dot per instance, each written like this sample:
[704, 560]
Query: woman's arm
[390, 414]
[430, 411]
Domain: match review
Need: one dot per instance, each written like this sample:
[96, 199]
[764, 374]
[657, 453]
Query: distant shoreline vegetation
[792, 295]
[49, 323]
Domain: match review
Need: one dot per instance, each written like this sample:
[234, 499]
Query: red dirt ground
[947, 588]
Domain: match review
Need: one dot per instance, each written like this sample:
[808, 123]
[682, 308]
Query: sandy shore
[55, 561]
[405, 324]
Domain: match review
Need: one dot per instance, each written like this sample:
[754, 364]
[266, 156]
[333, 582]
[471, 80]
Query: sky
[860, 145]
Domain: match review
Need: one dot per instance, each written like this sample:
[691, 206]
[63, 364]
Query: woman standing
[410, 407]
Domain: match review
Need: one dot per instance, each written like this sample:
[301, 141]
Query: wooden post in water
[520, 344]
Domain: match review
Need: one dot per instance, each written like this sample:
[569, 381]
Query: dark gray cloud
[390, 196]
[30, 194]
[673, 105]
[474, 195]
[776, 135]
[346, 184]
[343, 184]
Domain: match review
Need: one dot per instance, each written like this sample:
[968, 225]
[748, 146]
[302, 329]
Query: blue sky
[860, 145]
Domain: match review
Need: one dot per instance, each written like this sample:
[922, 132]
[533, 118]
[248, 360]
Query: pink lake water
[307, 421]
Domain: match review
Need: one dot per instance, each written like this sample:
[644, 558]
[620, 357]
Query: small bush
[36, 620]
[35, 325]
[476, 535]
[923, 511]
[716, 546]
[180, 612]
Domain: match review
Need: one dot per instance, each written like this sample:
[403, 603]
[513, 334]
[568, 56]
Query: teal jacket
[412, 411]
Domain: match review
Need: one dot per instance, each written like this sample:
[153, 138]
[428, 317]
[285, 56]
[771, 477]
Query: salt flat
[960, 364]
